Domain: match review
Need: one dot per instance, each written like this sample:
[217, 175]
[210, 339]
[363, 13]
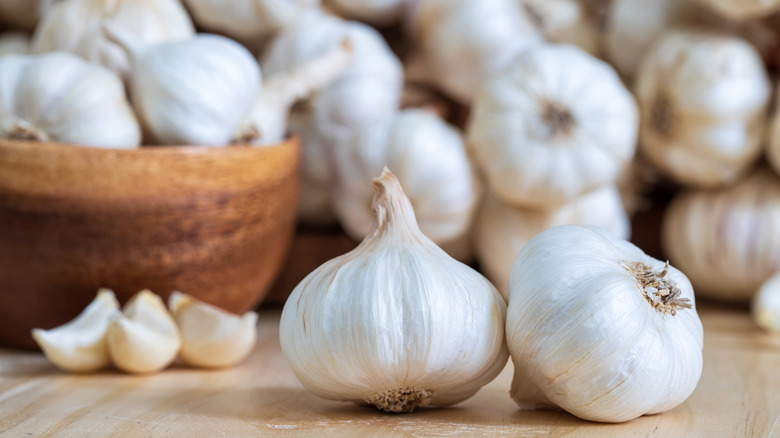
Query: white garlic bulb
[395, 323]
[374, 12]
[502, 230]
[554, 125]
[151, 21]
[194, 92]
[564, 21]
[703, 99]
[765, 306]
[462, 43]
[85, 105]
[727, 241]
[599, 328]
[80, 345]
[14, 43]
[430, 161]
[743, 10]
[23, 14]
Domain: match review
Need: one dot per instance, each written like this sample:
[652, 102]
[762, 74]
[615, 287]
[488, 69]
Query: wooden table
[738, 395]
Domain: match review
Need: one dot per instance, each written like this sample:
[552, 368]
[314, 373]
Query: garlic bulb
[80, 345]
[23, 14]
[85, 105]
[703, 98]
[743, 9]
[501, 230]
[765, 305]
[395, 323]
[143, 338]
[464, 42]
[14, 43]
[194, 92]
[374, 12]
[444, 191]
[599, 328]
[554, 125]
[151, 21]
[212, 337]
[728, 240]
[564, 21]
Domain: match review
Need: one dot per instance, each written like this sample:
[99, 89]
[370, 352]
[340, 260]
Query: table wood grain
[738, 395]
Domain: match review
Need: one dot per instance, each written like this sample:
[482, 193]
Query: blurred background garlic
[60, 97]
[765, 305]
[23, 14]
[772, 145]
[375, 12]
[564, 21]
[703, 98]
[14, 43]
[743, 9]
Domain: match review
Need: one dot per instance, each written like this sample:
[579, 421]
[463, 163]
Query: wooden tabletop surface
[738, 395]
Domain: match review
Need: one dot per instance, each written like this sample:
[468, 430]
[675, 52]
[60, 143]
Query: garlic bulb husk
[564, 21]
[212, 337]
[765, 306]
[444, 191]
[151, 21]
[80, 345]
[459, 50]
[194, 92]
[554, 125]
[395, 323]
[743, 10]
[703, 98]
[85, 105]
[727, 241]
[24, 14]
[14, 43]
[374, 12]
[143, 337]
[502, 230]
[599, 328]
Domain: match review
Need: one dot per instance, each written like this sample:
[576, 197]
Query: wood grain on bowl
[215, 223]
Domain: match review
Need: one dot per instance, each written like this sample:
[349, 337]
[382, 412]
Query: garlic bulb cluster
[395, 323]
[444, 191]
[555, 124]
[564, 21]
[703, 99]
[85, 105]
[727, 241]
[375, 12]
[75, 26]
[14, 43]
[765, 306]
[743, 9]
[600, 329]
[502, 230]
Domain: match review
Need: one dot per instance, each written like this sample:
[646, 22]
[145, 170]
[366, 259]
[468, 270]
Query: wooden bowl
[215, 223]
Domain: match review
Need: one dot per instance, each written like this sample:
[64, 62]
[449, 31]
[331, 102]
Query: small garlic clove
[144, 337]
[212, 337]
[80, 345]
[766, 305]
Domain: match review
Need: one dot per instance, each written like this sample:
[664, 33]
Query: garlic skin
[395, 323]
[600, 329]
[85, 105]
[143, 338]
[765, 306]
[554, 125]
[151, 21]
[703, 98]
[374, 12]
[727, 241]
[194, 92]
[564, 21]
[14, 43]
[501, 231]
[212, 337]
[80, 345]
[743, 10]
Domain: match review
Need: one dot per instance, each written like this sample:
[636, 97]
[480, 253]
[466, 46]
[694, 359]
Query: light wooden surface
[738, 395]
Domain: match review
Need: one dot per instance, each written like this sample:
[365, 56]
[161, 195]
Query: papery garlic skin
[703, 98]
[590, 330]
[395, 323]
[374, 12]
[80, 345]
[151, 21]
[743, 10]
[501, 230]
[765, 306]
[564, 21]
[14, 43]
[60, 97]
[554, 125]
[727, 241]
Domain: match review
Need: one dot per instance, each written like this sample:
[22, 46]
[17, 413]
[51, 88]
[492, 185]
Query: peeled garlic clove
[765, 305]
[743, 10]
[212, 337]
[599, 328]
[395, 323]
[143, 338]
[80, 345]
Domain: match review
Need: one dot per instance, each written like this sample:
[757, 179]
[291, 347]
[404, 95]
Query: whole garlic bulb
[743, 9]
[765, 306]
[703, 99]
[554, 125]
[728, 240]
[430, 161]
[374, 12]
[395, 323]
[599, 328]
[151, 21]
[194, 92]
[60, 97]
[564, 21]
[502, 230]
[462, 43]
[14, 43]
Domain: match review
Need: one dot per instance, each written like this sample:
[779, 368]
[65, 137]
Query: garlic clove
[80, 345]
[765, 306]
[212, 337]
[143, 338]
